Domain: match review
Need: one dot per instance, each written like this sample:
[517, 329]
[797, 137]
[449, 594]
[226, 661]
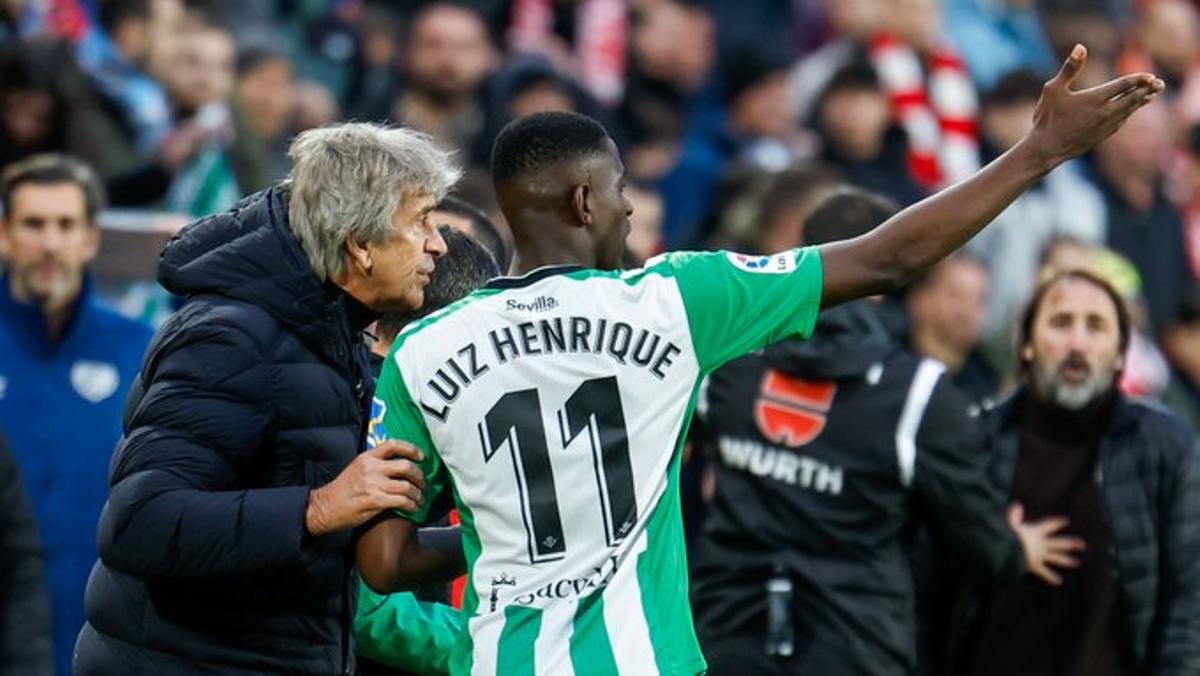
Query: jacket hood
[846, 342]
[250, 254]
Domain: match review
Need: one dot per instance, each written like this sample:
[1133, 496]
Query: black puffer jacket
[1150, 479]
[249, 396]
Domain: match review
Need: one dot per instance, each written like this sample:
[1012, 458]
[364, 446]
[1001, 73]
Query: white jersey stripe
[552, 650]
[485, 637]
[625, 618]
[919, 392]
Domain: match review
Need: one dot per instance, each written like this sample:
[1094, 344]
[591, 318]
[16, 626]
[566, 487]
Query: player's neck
[532, 255]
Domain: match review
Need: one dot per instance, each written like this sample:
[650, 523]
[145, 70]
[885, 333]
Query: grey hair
[348, 180]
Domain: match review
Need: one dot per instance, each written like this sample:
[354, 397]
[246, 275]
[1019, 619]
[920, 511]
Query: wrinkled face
[47, 241]
[952, 305]
[201, 69]
[402, 264]
[1073, 345]
[609, 207]
[450, 53]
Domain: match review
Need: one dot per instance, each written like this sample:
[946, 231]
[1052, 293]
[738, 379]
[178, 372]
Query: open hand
[1044, 548]
[1068, 123]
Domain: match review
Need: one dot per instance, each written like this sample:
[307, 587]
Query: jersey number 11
[595, 408]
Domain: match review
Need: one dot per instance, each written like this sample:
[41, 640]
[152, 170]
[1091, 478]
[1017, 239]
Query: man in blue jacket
[66, 363]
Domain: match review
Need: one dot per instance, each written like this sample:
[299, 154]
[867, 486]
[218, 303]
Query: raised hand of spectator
[385, 477]
[1046, 549]
[1068, 123]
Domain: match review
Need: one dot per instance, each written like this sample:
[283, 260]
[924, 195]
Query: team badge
[790, 411]
[95, 381]
[376, 432]
[780, 263]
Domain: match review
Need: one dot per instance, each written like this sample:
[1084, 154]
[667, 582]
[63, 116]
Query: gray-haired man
[225, 542]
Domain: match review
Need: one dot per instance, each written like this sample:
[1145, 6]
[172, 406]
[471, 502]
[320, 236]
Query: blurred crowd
[734, 119]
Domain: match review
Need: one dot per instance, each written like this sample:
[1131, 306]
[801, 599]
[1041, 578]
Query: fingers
[1070, 68]
[1047, 575]
[1016, 515]
[1140, 96]
[403, 470]
[1120, 86]
[404, 502]
[1060, 560]
[1049, 525]
[395, 448]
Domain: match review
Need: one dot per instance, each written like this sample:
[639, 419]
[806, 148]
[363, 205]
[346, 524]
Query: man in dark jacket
[1127, 475]
[827, 454]
[25, 646]
[226, 541]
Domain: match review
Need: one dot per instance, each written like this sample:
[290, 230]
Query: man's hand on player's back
[385, 477]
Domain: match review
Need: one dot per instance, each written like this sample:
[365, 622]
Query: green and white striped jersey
[554, 406]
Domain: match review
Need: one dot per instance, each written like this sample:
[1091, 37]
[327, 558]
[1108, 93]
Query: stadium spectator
[1126, 475]
[809, 499]
[132, 117]
[448, 56]
[264, 111]
[225, 541]
[946, 309]
[560, 181]
[858, 137]
[26, 646]
[930, 93]
[1181, 342]
[63, 356]
[39, 85]
[199, 81]
[1142, 223]
[753, 128]
[996, 37]
[1063, 204]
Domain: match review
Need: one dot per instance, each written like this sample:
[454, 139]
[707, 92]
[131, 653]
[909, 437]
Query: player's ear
[581, 204]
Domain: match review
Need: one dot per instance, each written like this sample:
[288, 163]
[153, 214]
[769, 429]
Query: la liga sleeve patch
[777, 264]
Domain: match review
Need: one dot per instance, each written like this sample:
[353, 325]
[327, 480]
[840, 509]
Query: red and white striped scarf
[936, 105]
[601, 33]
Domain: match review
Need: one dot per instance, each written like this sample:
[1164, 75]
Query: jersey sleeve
[395, 416]
[738, 303]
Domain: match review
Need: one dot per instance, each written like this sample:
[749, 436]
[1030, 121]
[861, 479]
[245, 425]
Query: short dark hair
[481, 227]
[50, 168]
[1019, 86]
[846, 213]
[113, 12]
[1025, 328]
[543, 140]
[466, 266]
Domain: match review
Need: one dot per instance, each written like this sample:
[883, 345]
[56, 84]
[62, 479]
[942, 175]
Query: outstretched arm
[1067, 123]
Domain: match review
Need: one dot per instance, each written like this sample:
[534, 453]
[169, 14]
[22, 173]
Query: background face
[1074, 343]
[450, 53]
[201, 68]
[47, 241]
[953, 304]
